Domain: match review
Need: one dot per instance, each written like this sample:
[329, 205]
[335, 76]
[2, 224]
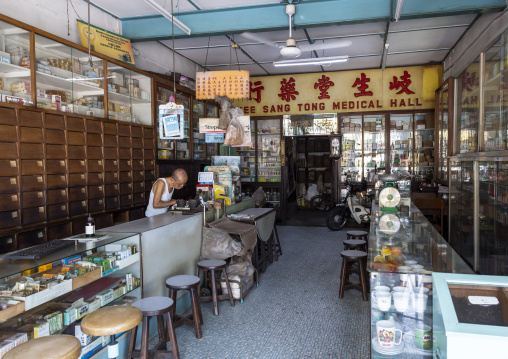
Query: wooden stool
[57, 346]
[155, 307]
[348, 257]
[110, 321]
[190, 283]
[277, 249]
[213, 265]
[352, 244]
[358, 235]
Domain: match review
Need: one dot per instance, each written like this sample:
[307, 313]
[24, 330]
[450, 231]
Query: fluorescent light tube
[168, 16]
[323, 61]
[385, 54]
[398, 10]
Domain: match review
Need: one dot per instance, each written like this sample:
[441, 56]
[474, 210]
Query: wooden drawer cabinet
[33, 199]
[138, 176]
[31, 238]
[77, 179]
[75, 138]
[137, 142]
[8, 244]
[57, 196]
[10, 219]
[56, 167]
[95, 179]
[8, 151]
[149, 185]
[124, 142]
[56, 137]
[109, 128]
[125, 200]
[137, 154]
[111, 190]
[136, 131]
[57, 211]
[148, 144]
[9, 202]
[112, 202]
[111, 153]
[124, 153]
[75, 124]
[77, 194]
[60, 231]
[138, 187]
[96, 205]
[54, 121]
[111, 165]
[149, 154]
[32, 167]
[110, 141]
[30, 118]
[9, 184]
[148, 132]
[8, 116]
[9, 168]
[124, 130]
[93, 126]
[95, 191]
[55, 152]
[8, 133]
[31, 151]
[94, 153]
[110, 177]
[32, 183]
[125, 188]
[125, 177]
[57, 181]
[125, 165]
[149, 175]
[77, 166]
[33, 215]
[103, 221]
[93, 139]
[30, 134]
[138, 165]
[138, 198]
[95, 166]
[77, 208]
[149, 164]
[76, 152]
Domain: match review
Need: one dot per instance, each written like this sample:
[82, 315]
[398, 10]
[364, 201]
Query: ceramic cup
[399, 289]
[386, 333]
[381, 288]
[410, 263]
[421, 290]
[423, 337]
[383, 300]
[404, 269]
[417, 267]
[401, 301]
[180, 203]
[420, 302]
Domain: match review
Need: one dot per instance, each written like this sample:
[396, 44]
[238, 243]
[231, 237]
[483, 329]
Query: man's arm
[158, 190]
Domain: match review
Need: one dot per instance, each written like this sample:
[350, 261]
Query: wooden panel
[75, 138]
[125, 188]
[77, 166]
[93, 139]
[76, 152]
[148, 144]
[9, 184]
[7, 116]
[148, 132]
[124, 153]
[9, 168]
[149, 165]
[30, 118]
[110, 141]
[138, 176]
[110, 153]
[125, 177]
[33, 199]
[31, 151]
[93, 126]
[137, 154]
[111, 165]
[138, 198]
[75, 124]
[95, 166]
[57, 181]
[125, 200]
[94, 153]
[9, 202]
[149, 155]
[8, 133]
[96, 205]
[32, 167]
[95, 191]
[33, 215]
[54, 121]
[56, 196]
[8, 243]
[31, 238]
[95, 178]
[78, 225]
[136, 213]
[111, 190]
[9, 151]
[124, 142]
[112, 202]
[56, 167]
[103, 221]
[109, 128]
[138, 187]
[56, 211]
[124, 130]
[55, 152]
[30, 134]
[77, 179]
[110, 177]
[149, 175]
[138, 165]
[77, 208]
[77, 194]
[137, 131]
[9, 219]
[60, 231]
[125, 165]
[55, 136]
[32, 183]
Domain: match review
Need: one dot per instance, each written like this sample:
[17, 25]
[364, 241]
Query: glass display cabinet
[248, 158]
[351, 161]
[269, 150]
[444, 112]
[212, 149]
[424, 146]
[401, 141]
[165, 148]
[198, 139]
[374, 151]
[183, 150]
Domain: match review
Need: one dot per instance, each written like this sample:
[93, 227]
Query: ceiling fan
[291, 50]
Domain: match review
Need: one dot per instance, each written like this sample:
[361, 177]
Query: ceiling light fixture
[385, 54]
[323, 61]
[398, 10]
[168, 16]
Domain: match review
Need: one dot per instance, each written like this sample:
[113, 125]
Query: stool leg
[279, 247]
[198, 295]
[363, 281]
[195, 313]
[228, 286]
[132, 342]
[161, 332]
[172, 336]
[342, 278]
[172, 293]
[144, 338]
[214, 294]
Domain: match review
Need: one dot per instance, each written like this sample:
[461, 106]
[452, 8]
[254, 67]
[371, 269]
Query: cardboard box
[5, 347]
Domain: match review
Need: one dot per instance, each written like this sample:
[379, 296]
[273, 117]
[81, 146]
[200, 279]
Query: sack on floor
[311, 192]
[218, 244]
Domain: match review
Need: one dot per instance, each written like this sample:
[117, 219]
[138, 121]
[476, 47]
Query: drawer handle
[100, 201]
[115, 163]
[100, 175]
[83, 203]
[63, 207]
[14, 214]
[116, 186]
[62, 178]
[41, 209]
[82, 176]
[62, 163]
[13, 180]
[14, 197]
[13, 163]
[129, 185]
[39, 235]
[39, 179]
[140, 162]
[83, 190]
[39, 163]
[129, 196]
[99, 163]
[62, 192]
[82, 163]
[40, 195]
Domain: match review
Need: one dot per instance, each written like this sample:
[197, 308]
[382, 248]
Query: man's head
[179, 177]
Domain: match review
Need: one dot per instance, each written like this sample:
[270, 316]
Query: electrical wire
[76, 11]
[68, 21]
[173, 37]
[206, 57]
[236, 51]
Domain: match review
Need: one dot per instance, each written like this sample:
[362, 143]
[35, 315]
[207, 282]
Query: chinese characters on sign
[287, 90]
[362, 86]
[396, 84]
[257, 90]
[233, 84]
[323, 84]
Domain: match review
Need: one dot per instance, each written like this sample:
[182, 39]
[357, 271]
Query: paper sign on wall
[209, 125]
[233, 84]
[214, 137]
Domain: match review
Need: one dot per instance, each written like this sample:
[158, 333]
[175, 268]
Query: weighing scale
[389, 196]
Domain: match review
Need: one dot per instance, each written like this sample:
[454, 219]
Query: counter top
[149, 223]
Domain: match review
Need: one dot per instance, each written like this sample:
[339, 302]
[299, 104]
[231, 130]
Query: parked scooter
[356, 205]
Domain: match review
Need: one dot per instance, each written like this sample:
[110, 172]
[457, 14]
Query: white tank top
[166, 196]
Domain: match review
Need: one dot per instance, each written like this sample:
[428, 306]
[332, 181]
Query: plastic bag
[311, 192]
[235, 112]
[218, 244]
[225, 116]
[234, 133]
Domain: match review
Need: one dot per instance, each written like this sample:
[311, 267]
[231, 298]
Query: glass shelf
[401, 140]
[374, 146]
[351, 161]
[199, 146]
[269, 151]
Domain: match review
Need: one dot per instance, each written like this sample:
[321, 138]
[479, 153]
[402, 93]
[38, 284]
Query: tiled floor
[294, 313]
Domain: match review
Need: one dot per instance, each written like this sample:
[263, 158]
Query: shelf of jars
[198, 139]
[247, 163]
[351, 161]
[374, 147]
[268, 151]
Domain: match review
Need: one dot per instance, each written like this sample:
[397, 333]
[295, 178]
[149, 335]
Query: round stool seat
[357, 233]
[352, 255]
[182, 281]
[211, 264]
[153, 306]
[354, 243]
[51, 347]
[111, 320]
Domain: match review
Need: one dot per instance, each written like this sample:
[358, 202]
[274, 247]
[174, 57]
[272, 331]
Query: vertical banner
[233, 84]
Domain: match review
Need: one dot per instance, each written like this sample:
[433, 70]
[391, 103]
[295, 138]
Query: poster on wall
[209, 125]
[214, 138]
[107, 43]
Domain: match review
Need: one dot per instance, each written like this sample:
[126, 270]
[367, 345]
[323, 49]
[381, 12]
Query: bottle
[90, 227]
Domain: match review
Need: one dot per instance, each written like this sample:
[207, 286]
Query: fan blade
[326, 45]
[260, 39]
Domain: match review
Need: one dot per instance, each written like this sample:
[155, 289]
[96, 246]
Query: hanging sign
[233, 84]
[209, 125]
[107, 43]
[214, 138]
[170, 126]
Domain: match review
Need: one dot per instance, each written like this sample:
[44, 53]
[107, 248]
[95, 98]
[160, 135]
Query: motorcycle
[356, 204]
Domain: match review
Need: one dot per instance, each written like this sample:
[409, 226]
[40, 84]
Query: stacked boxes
[43, 67]
[17, 53]
[21, 88]
[5, 57]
